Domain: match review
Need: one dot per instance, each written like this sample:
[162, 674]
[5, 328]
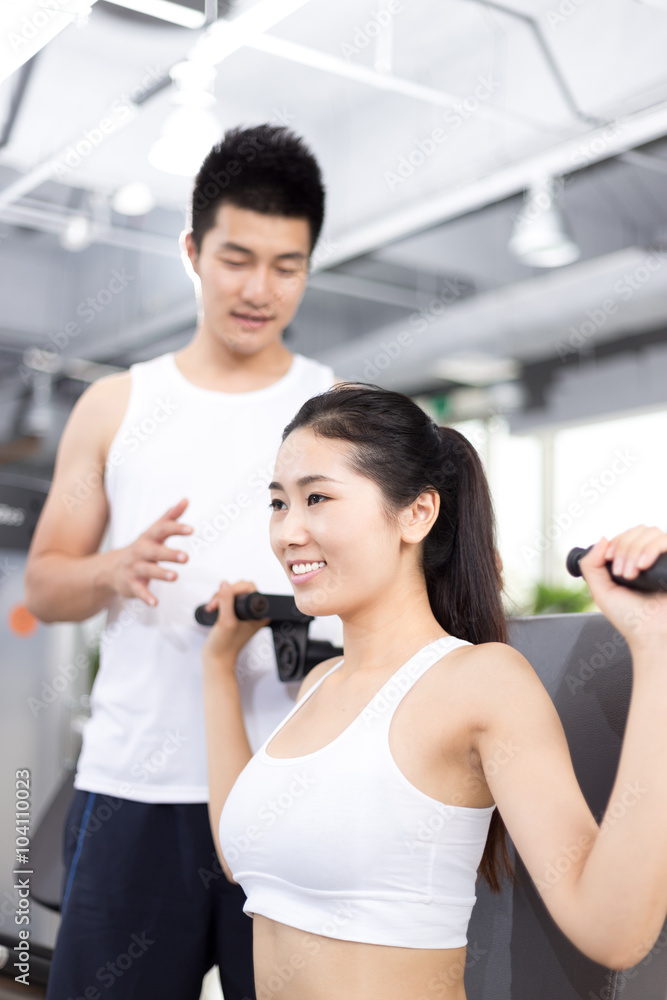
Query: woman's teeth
[299, 568]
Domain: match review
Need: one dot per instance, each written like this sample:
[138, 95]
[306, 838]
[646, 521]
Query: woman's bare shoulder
[492, 671]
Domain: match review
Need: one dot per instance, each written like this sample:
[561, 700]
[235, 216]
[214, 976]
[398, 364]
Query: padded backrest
[515, 950]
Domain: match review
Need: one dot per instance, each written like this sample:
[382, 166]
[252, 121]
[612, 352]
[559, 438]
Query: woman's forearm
[625, 873]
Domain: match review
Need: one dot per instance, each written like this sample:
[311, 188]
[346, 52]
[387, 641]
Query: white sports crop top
[338, 842]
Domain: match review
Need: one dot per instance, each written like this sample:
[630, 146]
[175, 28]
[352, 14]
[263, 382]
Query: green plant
[551, 600]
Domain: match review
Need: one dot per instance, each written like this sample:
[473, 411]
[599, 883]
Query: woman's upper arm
[528, 769]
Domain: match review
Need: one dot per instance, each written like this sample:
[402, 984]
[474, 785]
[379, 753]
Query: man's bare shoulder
[101, 408]
[107, 390]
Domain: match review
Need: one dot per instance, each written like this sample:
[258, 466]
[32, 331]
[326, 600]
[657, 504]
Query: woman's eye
[276, 505]
[316, 498]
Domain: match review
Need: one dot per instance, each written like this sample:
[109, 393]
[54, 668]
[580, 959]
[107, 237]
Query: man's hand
[137, 564]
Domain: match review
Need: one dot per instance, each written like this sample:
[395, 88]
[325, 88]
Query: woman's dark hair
[399, 448]
[266, 169]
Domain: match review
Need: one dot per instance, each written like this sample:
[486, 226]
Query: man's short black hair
[266, 169]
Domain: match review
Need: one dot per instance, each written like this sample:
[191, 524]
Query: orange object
[21, 621]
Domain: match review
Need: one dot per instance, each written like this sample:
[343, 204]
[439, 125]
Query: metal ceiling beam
[315, 59]
[263, 15]
[35, 215]
[560, 160]
[368, 289]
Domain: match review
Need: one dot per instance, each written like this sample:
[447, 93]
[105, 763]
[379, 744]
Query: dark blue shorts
[147, 909]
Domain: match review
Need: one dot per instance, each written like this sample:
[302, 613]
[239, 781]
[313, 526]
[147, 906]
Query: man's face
[253, 270]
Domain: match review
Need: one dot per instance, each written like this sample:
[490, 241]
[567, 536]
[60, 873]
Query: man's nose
[257, 289]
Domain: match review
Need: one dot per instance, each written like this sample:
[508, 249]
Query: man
[181, 446]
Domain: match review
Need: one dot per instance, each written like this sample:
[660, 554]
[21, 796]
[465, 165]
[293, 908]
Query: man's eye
[276, 505]
[316, 498]
[233, 263]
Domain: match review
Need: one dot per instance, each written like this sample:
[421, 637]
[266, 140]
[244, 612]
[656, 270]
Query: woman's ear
[418, 519]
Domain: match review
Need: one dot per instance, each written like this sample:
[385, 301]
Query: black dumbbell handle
[648, 580]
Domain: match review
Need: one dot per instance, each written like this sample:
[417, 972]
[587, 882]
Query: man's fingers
[141, 591]
[151, 571]
[152, 552]
[163, 529]
[175, 512]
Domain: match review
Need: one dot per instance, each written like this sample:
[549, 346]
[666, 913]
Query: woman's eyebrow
[305, 481]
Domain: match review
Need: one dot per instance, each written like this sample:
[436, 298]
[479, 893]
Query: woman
[357, 829]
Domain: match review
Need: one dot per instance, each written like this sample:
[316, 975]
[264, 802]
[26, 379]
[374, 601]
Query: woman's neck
[389, 631]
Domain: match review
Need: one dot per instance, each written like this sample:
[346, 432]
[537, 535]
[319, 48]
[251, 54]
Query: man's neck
[211, 365]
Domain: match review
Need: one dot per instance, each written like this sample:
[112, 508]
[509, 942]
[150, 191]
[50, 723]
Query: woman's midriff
[292, 964]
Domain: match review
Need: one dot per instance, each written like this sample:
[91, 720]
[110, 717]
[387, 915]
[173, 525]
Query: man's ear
[189, 248]
[418, 519]
[189, 255]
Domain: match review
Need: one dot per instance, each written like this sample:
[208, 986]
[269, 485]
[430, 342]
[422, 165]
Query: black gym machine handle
[296, 654]
[648, 580]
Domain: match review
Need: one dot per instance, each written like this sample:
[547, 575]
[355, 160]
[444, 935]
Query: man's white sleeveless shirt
[146, 738]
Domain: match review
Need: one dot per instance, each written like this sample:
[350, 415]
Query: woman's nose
[292, 529]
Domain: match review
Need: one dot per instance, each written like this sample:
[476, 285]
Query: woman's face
[329, 527]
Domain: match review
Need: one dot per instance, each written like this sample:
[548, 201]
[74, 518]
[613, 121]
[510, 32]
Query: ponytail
[461, 564]
[399, 448]
[463, 580]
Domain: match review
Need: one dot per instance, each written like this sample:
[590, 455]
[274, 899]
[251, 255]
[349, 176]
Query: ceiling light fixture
[77, 234]
[133, 199]
[476, 369]
[175, 13]
[191, 128]
[540, 237]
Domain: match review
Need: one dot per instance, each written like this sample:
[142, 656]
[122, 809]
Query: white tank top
[338, 842]
[146, 738]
